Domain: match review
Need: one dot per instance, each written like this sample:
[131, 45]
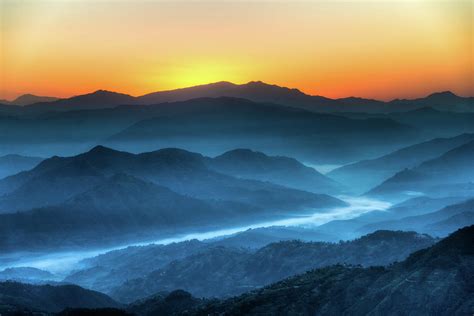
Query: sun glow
[375, 49]
[197, 73]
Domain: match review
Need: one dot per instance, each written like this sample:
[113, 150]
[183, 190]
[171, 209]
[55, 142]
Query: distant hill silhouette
[434, 176]
[427, 119]
[438, 223]
[445, 101]
[110, 194]
[100, 99]
[28, 99]
[245, 163]
[386, 166]
[264, 127]
[225, 123]
[57, 179]
[26, 274]
[255, 90]
[259, 92]
[414, 207]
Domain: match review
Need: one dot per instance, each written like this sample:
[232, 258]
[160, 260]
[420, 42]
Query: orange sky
[377, 49]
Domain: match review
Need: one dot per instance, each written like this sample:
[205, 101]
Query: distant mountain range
[214, 159]
[248, 164]
[397, 214]
[256, 91]
[272, 119]
[438, 223]
[450, 174]
[28, 99]
[429, 120]
[210, 126]
[227, 123]
[114, 194]
[100, 99]
[386, 166]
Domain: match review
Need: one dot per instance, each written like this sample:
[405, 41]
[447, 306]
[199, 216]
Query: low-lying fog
[63, 262]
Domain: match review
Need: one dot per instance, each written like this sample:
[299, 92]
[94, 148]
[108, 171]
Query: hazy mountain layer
[227, 123]
[213, 126]
[433, 280]
[234, 170]
[210, 269]
[259, 92]
[58, 179]
[12, 164]
[28, 99]
[106, 196]
[248, 164]
[435, 176]
[352, 228]
[438, 223]
[364, 175]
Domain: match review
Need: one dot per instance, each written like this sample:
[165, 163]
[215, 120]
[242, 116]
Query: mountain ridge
[257, 91]
[383, 167]
[432, 176]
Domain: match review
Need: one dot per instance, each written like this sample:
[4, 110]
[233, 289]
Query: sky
[367, 48]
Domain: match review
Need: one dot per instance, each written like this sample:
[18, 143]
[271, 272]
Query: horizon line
[239, 84]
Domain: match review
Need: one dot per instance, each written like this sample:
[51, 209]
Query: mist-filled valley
[229, 199]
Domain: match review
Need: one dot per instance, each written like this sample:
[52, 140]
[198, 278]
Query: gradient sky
[375, 49]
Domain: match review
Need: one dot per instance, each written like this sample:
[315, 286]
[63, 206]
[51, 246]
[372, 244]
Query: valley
[134, 214]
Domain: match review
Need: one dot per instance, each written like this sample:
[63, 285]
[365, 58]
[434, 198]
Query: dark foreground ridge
[434, 281]
[437, 280]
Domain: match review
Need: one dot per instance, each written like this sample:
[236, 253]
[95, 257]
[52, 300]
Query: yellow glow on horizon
[194, 73]
[375, 49]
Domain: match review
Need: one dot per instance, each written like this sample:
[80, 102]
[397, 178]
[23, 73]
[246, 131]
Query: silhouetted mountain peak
[172, 153]
[266, 86]
[104, 97]
[261, 84]
[242, 153]
[102, 157]
[220, 84]
[99, 150]
[102, 92]
[443, 94]
[354, 99]
[28, 99]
